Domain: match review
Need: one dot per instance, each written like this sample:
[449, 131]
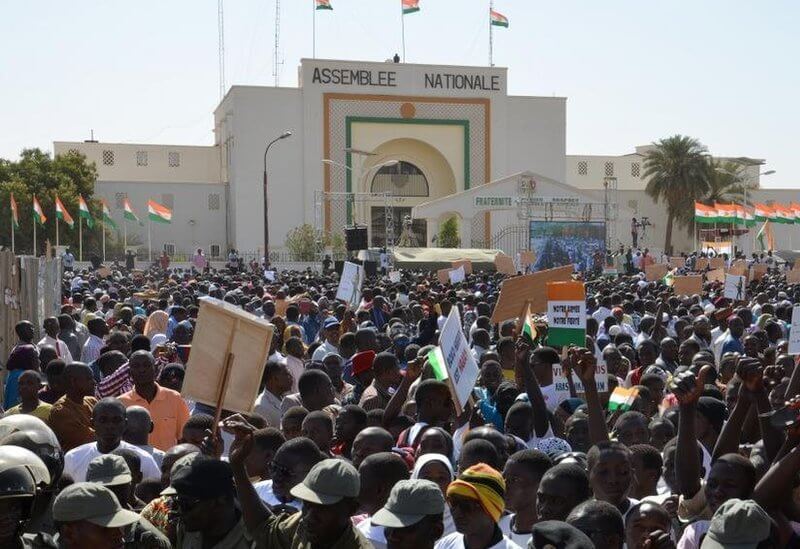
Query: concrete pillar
[465, 228]
[433, 231]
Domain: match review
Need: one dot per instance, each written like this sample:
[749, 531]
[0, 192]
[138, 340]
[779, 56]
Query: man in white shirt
[98, 329]
[278, 382]
[379, 473]
[51, 329]
[109, 422]
[331, 343]
[603, 311]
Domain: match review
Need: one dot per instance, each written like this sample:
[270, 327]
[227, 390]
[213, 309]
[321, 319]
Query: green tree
[448, 234]
[726, 182]
[36, 173]
[677, 174]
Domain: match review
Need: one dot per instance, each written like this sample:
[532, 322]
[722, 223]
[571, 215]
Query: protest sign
[717, 275]
[735, 287]
[687, 285]
[229, 352]
[269, 276]
[716, 262]
[655, 272]
[757, 271]
[394, 276]
[466, 263]
[516, 292]
[349, 289]
[701, 264]
[527, 260]
[504, 264]
[738, 268]
[566, 314]
[677, 262]
[455, 357]
[457, 275]
[794, 332]
[793, 277]
[443, 275]
[103, 272]
[562, 387]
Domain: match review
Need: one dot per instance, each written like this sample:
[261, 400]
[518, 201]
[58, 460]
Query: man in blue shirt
[732, 342]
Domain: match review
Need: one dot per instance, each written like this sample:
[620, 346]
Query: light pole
[284, 135]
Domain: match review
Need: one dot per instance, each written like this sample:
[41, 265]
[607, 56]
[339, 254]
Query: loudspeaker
[355, 238]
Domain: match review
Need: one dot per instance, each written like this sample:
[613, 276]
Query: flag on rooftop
[410, 6]
[498, 19]
[324, 5]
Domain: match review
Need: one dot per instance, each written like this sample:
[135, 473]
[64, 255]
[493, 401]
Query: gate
[511, 239]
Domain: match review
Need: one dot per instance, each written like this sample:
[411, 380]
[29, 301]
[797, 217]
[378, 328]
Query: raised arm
[687, 388]
[751, 371]
[535, 397]
[400, 396]
[584, 363]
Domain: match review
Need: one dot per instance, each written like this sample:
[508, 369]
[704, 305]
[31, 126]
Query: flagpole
[34, 236]
[80, 239]
[149, 242]
[12, 232]
[104, 240]
[56, 230]
[314, 29]
[403, 29]
[124, 235]
[491, 34]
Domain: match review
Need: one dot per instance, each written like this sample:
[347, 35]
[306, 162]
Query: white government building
[371, 144]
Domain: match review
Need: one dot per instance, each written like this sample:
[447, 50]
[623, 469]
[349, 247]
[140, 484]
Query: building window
[169, 247]
[636, 170]
[119, 199]
[213, 202]
[74, 152]
[174, 159]
[609, 169]
[214, 250]
[401, 179]
[141, 158]
[583, 167]
[168, 200]
[108, 157]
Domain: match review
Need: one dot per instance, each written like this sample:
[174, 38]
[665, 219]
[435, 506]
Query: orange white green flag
[498, 19]
[107, 214]
[38, 212]
[764, 212]
[704, 214]
[410, 6]
[158, 213]
[795, 207]
[83, 212]
[129, 214]
[14, 212]
[529, 331]
[566, 314]
[783, 214]
[63, 214]
[324, 5]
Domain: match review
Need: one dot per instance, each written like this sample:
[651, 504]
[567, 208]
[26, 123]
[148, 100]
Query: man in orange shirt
[167, 408]
[71, 415]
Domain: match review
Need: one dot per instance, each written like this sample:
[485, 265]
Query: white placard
[794, 334]
[735, 287]
[457, 275]
[562, 388]
[394, 276]
[461, 366]
[269, 275]
[349, 289]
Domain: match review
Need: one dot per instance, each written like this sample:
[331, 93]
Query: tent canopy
[440, 258]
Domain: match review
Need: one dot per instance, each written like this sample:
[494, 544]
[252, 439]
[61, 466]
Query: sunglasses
[186, 503]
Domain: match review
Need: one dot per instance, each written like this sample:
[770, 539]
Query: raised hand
[522, 350]
[584, 364]
[212, 444]
[688, 387]
[751, 373]
[658, 540]
[243, 442]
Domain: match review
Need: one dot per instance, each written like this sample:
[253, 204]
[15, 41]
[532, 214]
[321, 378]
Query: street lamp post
[284, 135]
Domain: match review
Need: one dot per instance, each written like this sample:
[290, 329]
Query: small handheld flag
[38, 212]
[158, 213]
[83, 211]
[529, 332]
[14, 212]
[498, 19]
[63, 214]
[622, 399]
[436, 359]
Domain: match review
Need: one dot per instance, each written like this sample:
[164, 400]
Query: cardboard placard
[655, 272]
[457, 275]
[349, 289]
[794, 333]
[717, 275]
[793, 277]
[515, 292]
[701, 264]
[735, 287]
[526, 258]
[394, 276]
[443, 275]
[687, 285]
[504, 264]
[103, 272]
[462, 370]
[738, 268]
[717, 262]
[562, 387]
[677, 262]
[757, 271]
[796, 266]
[466, 263]
[223, 329]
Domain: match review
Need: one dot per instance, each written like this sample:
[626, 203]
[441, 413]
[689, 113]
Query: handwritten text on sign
[566, 314]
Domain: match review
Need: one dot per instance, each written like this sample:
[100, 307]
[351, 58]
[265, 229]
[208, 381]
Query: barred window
[108, 157]
[74, 152]
[213, 202]
[169, 247]
[174, 159]
[214, 250]
[609, 169]
[119, 199]
[168, 200]
[141, 158]
[636, 170]
[583, 167]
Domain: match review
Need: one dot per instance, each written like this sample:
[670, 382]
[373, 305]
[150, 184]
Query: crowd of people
[354, 442]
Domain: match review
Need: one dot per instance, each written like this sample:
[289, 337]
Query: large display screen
[558, 243]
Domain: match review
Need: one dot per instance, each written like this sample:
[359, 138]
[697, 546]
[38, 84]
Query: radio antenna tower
[221, 47]
[276, 62]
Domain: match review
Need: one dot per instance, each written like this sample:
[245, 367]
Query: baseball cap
[331, 322]
[555, 533]
[328, 482]
[203, 478]
[362, 361]
[182, 463]
[108, 470]
[409, 502]
[93, 503]
[737, 524]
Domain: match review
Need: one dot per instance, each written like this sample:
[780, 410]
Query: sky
[722, 71]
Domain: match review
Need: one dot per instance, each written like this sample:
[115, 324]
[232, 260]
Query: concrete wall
[535, 137]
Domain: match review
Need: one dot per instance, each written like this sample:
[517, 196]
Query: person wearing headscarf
[438, 469]
[156, 328]
[24, 356]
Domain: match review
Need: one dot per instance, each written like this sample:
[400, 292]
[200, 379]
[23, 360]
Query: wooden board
[701, 264]
[223, 328]
[677, 262]
[717, 262]
[516, 291]
[757, 271]
[526, 258]
[796, 266]
[717, 275]
[688, 285]
[465, 262]
[655, 272]
[738, 268]
[504, 264]
[793, 277]
[443, 275]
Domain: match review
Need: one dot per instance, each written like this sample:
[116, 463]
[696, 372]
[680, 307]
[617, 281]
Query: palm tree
[726, 182]
[677, 173]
